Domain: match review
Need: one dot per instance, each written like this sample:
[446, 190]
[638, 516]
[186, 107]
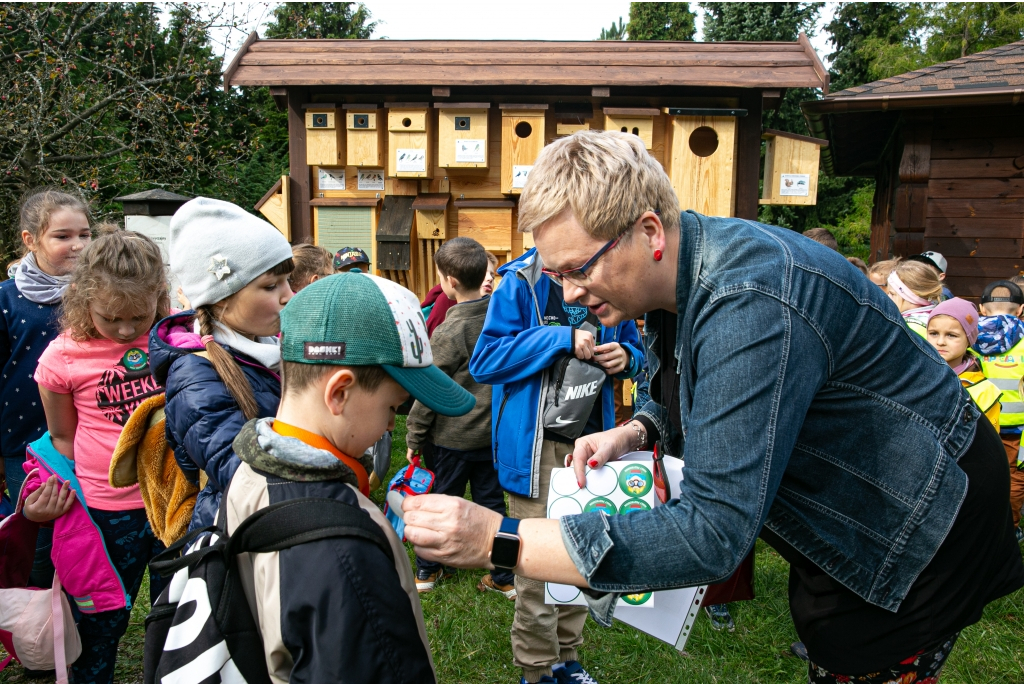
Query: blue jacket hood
[998, 334]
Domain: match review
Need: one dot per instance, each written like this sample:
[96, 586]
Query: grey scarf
[37, 285]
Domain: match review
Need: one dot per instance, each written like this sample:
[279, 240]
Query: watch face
[505, 551]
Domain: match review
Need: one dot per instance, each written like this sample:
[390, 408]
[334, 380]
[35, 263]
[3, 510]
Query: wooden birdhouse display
[398, 146]
[791, 168]
[702, 159]
[522, 138]
[462, 135]
[636, 120]
[410, 138]
[365, 135]
[324, 142]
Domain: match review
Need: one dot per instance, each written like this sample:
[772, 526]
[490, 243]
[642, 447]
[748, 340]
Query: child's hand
[49, 501]
[583, 344]
[409, 454]
[612, 357]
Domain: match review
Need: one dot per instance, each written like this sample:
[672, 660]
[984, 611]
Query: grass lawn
[469, 635]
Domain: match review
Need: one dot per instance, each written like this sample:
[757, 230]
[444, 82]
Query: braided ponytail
[226, 366]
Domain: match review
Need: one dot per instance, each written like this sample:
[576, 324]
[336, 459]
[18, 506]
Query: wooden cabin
[945, 145]
[396, 146]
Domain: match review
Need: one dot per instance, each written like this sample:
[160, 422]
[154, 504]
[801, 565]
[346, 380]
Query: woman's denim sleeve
[758, 365]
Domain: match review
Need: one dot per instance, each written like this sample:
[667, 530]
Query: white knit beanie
[218, 248]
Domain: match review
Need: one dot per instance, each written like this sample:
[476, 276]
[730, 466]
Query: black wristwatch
[505, 548]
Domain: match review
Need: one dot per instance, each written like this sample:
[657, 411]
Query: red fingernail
[593, 463]
[579, 484]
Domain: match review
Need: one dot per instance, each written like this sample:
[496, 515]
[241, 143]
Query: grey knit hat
[218, 248]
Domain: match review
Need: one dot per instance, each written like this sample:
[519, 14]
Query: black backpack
[201, 629]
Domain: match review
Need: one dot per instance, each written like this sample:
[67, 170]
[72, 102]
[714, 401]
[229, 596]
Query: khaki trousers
[542, 634]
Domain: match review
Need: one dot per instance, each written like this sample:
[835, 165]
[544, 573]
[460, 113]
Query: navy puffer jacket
[202, 416]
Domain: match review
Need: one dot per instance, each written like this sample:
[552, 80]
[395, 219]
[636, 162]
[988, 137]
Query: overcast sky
[524, 19]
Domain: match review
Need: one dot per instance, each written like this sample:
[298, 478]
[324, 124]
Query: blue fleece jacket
[514, 353]
[26, 328]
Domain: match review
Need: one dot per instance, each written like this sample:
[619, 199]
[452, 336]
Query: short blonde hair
[883, 268]
[921, 279]
[607, 179]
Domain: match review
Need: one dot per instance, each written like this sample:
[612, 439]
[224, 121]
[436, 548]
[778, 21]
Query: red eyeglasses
[579, 275]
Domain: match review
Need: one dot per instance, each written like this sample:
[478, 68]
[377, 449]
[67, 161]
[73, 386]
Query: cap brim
[433, 388]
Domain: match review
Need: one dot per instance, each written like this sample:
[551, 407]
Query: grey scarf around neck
[37, 285]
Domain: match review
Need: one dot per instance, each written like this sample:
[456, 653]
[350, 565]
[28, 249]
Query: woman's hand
[583, 344]
[612, 356]
[597, 449]
[49, 501]
[450, 530]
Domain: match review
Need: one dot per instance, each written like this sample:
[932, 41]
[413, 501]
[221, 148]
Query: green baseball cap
[355, 319]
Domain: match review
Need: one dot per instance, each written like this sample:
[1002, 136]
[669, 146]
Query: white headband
[906, 293]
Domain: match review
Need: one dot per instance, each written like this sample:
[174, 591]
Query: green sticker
[601, 504]
[636, 599]
[636, 480]
[634, 504]
[135, 359]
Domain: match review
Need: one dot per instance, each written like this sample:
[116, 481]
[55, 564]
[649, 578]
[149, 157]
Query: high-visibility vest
[984, 393]
[1005, 371]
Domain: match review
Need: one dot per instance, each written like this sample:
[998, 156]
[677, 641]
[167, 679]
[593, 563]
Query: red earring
[657, 255]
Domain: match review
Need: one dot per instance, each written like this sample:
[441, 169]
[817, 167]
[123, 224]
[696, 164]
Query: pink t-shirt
[108, 381]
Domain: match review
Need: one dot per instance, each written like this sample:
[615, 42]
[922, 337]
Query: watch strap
[509, 526]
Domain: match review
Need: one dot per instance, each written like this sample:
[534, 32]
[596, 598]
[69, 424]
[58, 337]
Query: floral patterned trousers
[923, 667]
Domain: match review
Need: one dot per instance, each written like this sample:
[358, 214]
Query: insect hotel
[397, 146]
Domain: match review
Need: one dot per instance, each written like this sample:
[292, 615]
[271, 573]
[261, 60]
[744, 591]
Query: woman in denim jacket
[806, 412]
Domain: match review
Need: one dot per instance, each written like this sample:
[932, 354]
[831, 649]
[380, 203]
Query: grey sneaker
[720, 617]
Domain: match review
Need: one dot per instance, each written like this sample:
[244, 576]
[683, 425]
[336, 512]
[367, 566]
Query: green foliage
[661, 21]
[929, 33]
[758, 21]
[853, 24]
[614, 32]
[321, 20]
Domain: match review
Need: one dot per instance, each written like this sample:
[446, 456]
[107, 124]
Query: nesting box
[522, 138]
[275, 207]
[410, 129]
[462, 135]
[702, 162]
[394, 237]
[791, 168]
[489, 222]
[636, 120]
[431, 215]
[346, 222]
[364, 130]
[324, 142]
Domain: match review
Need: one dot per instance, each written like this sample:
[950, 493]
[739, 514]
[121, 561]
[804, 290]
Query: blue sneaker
[572, 672]
[543, 679]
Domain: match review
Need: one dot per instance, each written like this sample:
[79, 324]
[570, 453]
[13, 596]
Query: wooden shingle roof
[525, 63]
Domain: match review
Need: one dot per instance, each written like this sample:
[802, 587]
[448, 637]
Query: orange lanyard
[320, 442]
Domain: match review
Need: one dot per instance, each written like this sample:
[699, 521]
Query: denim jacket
[808, 407]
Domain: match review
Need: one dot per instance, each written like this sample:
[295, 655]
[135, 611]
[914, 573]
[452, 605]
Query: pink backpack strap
[57, 611]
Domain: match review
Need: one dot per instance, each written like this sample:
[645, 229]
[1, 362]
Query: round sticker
[563, 593]
[637, 598]
[135, 359]
[601, 482]
[564, 506]
[563, 482]
[636, 480]
[633, 504]
[603, 505]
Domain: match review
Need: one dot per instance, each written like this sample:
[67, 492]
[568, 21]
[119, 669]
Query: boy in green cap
[354, 347]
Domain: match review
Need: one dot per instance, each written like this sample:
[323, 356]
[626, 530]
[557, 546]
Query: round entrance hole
[523, 129]
[625, 130]
[703, 141]
[407, 122]
[636, 131]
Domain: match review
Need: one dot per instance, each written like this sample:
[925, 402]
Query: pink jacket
[79, 553]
